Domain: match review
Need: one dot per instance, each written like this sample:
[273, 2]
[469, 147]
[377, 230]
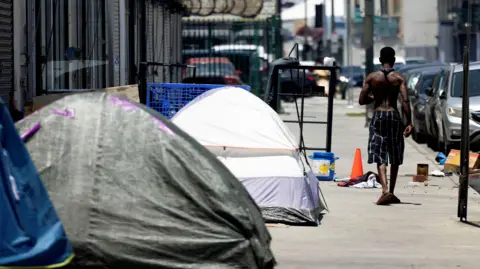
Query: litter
[437, 173]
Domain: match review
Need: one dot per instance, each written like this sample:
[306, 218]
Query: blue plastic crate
[169, 98]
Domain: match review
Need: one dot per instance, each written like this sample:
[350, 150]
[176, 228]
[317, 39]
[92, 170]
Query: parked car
[406, 68]
[354, 75]
[433, 116]
[422, 79]
[410, 74]
[212, 71]
[451, 107]
[291, 81]
[415, 60]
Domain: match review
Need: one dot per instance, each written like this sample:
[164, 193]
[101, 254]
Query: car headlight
[455, 112]
[343, 79]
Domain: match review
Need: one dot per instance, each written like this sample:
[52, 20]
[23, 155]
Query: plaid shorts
[386, 143]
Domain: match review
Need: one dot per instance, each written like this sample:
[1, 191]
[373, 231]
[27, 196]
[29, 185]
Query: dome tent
[134, 191]
[254, 143]
[31, 233]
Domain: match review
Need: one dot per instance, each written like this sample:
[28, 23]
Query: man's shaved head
[387, 55]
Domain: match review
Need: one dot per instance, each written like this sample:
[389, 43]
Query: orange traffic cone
[357, 169]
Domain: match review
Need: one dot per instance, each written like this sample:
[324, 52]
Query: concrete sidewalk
[422, 233]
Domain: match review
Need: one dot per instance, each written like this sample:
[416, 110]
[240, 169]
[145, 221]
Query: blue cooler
[323, 165]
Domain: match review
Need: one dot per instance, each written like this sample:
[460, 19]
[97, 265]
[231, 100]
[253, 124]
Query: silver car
[451, 107]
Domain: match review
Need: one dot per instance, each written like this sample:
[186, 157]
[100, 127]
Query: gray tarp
[134, 191]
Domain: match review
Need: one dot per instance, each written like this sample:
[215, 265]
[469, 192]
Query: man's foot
[395, 199]
[385, 199]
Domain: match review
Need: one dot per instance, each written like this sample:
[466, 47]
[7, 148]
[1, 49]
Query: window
[412, 81]
[397, 7]
[384, 7]
[473, 84]
[426, 81]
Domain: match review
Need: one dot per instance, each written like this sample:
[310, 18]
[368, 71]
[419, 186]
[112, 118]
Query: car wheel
[446, 146]
[432, 142]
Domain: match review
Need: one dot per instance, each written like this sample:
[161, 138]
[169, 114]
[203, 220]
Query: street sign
[358, 18]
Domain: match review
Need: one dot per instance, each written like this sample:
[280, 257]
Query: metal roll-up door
[150, 31]
[176, 41]
[159, 34]
[116, 42]
[150, 34]
[167, 56]
[6, 50]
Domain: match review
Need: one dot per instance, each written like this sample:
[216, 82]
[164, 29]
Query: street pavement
[424, 232]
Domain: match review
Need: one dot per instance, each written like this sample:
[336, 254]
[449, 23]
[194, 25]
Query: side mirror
[429, 91]
[443, 95]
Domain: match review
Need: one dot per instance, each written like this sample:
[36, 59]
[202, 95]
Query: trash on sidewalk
[441, 158]
[437, 173]
[345, 179]
[452, 164]
[366, 181]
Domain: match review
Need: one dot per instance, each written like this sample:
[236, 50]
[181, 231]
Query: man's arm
[364, 99]
[405, 100]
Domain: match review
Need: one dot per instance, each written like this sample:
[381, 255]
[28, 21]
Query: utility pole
[465, 143]
[305, 28]
[332, 18]
[348, 49]
[368, 45]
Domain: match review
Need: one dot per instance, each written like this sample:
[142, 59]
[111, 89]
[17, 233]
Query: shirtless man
[386, 142]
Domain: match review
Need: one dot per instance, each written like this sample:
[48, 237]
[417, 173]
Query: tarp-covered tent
[134, 191]
[255, 144]
[31, 234]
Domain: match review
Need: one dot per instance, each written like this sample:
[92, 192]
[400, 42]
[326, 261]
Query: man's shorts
[386, 143]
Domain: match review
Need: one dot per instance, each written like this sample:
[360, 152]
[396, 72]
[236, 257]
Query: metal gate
[6, 51]
[249, 44]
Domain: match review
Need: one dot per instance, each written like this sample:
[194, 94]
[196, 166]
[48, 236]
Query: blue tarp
[31, 234]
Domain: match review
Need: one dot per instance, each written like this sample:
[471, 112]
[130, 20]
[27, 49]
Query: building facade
[75, 45]
[451, 30]
[420, 29]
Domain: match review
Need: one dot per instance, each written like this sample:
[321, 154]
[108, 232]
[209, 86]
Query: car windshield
[473, 84]
[214, 69]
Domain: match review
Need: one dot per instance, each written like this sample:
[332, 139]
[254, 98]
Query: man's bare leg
[393, 181]
[393, 177]
[382, 174]
[386, 197]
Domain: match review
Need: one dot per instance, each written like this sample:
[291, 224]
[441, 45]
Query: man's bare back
[383, 88]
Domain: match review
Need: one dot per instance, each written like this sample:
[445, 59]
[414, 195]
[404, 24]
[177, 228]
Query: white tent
[254, 143]
[232, 122]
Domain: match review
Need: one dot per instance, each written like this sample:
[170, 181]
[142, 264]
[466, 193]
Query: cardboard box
[474, 180]
[452, 164]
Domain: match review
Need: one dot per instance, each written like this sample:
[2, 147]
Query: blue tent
[31, 234]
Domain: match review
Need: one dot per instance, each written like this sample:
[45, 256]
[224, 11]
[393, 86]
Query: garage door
[6, 50]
